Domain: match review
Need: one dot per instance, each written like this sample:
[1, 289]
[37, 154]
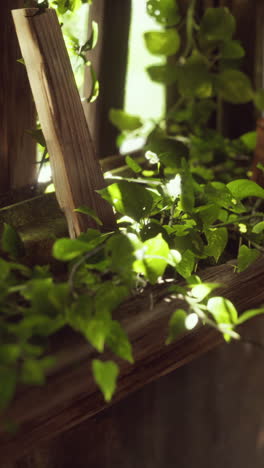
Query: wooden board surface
[70, 395]
[17, 110]
[76, 170]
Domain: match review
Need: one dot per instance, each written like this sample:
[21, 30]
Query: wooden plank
[76, 171]
[70, 395]
[109, 59]
[17, 110]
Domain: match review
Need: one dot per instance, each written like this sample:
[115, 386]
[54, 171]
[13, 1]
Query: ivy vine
[190, 205]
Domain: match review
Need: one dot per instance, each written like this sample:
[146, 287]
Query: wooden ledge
[70, 395]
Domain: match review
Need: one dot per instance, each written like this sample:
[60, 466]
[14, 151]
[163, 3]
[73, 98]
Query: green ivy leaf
[165, 74]
[259, 99]
[33, 370]
[220, 194]
[246, 257]
[121, 255]
[122, 196]
[4, 269]
[133, 164]
[176, 325]
[108, 297]
[186, 265]
[12, 242]
[194, 80]
[217, 240]
[8, 380]
[124, 121]
[244, 188]
[162, 42]
[223, 311]
[67, 5]
[9, 353]
[201, 291]
[105, 375]
[89, 212]
[258, 228]
[152, 258]
[217, 24]
[232, 50]
[208, 213]
[165, 12]
[96, 331]
[234, 86]
[249, 139]
[118, 342]
[67, 249]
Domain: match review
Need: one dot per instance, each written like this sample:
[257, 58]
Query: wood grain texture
[17, 110]
[70, 395]
[109, 59]
[76, 171]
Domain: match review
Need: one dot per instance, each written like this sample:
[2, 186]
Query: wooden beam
[70, 395]
[109, 59]
[76, 171]
[17, 110]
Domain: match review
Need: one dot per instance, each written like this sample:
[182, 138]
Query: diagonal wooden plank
[76, 171]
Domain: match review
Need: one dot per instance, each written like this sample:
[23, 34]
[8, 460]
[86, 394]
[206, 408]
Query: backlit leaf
[177, 325]
[234, 86]
[162, 42]
[105, 375]
[244, 188]
[217, 24]
[124, 121]
[246, 257]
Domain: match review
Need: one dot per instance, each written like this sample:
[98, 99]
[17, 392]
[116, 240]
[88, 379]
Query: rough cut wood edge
[76, 171]
[70, 395]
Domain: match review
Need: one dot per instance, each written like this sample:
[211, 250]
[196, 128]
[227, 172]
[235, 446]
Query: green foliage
[162, 42]
[124, 121]
[11, 242]
[165, 12]
[217, 25]
[122, 196]
[105, 374]
[246, 257]
[177, 325]
[234, 86]
[183, 213]
[243, 188]
[89, 212]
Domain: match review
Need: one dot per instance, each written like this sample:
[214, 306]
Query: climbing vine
[189, 205]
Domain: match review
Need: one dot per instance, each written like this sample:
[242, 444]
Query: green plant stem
[78, 264]
[238, 220]
[172, 211]
[257, 246]
[189, 28]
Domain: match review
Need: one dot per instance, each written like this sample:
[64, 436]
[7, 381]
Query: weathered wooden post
[109, 59]
[76, 171]
[17, 110]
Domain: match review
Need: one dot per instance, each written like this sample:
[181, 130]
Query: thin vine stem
[239, 220]
[189, 28]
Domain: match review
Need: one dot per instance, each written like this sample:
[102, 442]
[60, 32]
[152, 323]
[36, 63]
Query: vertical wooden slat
[109, 59]
[17, 110]
[76, 171]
